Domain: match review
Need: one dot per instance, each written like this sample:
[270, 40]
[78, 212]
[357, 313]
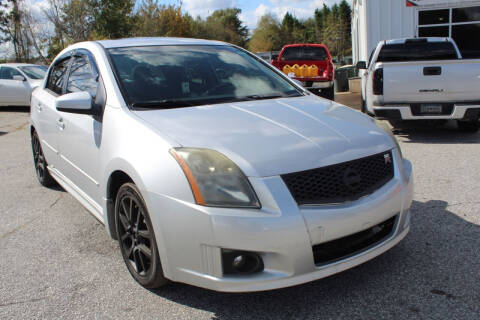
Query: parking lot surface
[57, 261]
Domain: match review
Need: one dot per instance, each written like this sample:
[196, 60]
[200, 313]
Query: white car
[17, 81]
[421, 79]
[213, 168]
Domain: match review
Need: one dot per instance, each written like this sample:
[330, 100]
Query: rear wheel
[468, 126]
[136, 238]
[40, 163]
[328, 93]
[396, 123]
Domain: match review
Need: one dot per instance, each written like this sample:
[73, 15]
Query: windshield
[178, 76]
[34, 72]
[304, 53]
[417, 51]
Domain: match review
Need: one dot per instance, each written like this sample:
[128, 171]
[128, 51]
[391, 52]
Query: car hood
[271, 137]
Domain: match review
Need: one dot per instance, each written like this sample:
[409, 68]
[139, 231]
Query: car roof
[138, 42]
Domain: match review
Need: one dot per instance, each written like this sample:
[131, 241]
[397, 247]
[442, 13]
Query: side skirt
[94, 208]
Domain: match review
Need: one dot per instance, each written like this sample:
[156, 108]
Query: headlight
[215, 180]
[388, 131]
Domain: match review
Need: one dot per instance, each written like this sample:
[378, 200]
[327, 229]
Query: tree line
[79, 20]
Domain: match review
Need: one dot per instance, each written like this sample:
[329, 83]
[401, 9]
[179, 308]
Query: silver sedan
[212, 168]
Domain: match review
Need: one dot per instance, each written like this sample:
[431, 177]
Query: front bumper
[190, 237]
[404, 112]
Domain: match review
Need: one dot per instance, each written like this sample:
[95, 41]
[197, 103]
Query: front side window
[57, 76]
[34, 72]
[304, 53]
[83, 76]
[7, 73]
[178, 76]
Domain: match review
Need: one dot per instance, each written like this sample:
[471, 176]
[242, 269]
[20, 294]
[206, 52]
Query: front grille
[345, 247]
[341, 182]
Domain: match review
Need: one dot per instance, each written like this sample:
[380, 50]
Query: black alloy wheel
[40, 163]
[136, 238]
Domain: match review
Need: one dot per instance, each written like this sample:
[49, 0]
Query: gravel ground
[58, 262]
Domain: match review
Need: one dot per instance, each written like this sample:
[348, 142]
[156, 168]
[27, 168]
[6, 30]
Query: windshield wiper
[162, 104]
[273, 96]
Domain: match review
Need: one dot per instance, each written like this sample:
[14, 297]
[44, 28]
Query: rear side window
[7, 73]
[83, 76]
[57, 76]
[304, 53]
[417, 51]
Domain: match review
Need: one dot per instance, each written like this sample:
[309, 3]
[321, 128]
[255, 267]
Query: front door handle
[60, 123]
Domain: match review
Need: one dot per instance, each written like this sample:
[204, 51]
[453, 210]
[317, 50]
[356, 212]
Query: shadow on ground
[431, 274]
[15, 109]
[421, 132]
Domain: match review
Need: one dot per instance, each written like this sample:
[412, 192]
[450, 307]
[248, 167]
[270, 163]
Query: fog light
[241, 262]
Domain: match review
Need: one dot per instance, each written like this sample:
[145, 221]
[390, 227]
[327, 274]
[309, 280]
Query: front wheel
[40, 163]
[136, 238]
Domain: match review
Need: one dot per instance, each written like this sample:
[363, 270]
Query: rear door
[44, 111]
[13, 92]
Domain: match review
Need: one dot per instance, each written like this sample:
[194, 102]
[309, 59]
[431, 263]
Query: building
[376, 20]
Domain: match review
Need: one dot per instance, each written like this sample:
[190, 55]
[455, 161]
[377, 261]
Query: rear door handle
[432, 71]
[39, 107]
[60, 123]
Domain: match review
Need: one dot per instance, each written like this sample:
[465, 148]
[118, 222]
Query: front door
[81, 136]
[13, 92]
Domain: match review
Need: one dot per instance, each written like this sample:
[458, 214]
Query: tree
[77, 20]
[153, 19]
[267, 36]
[225, 25]
[112, 18]
[292, 29]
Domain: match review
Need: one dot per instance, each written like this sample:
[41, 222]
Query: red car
[311, 64]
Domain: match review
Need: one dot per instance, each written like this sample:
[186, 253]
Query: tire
[40, 163]
[137, 239]
[364, 106]
[468, 126]
[396, 123]
[328, 93]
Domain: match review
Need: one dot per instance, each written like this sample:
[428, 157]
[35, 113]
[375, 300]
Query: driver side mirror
[76, 102]
[361, 65]
[19, 78]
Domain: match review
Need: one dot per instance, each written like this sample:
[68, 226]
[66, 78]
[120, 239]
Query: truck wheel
[364, 106]
[396, 123]
[328, 93]
[468, 126]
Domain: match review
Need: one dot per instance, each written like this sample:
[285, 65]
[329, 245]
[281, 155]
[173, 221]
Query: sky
[252, 10]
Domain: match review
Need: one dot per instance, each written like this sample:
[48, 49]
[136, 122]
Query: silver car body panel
[264, 138]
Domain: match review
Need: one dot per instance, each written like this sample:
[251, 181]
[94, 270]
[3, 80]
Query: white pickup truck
[421, 79]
